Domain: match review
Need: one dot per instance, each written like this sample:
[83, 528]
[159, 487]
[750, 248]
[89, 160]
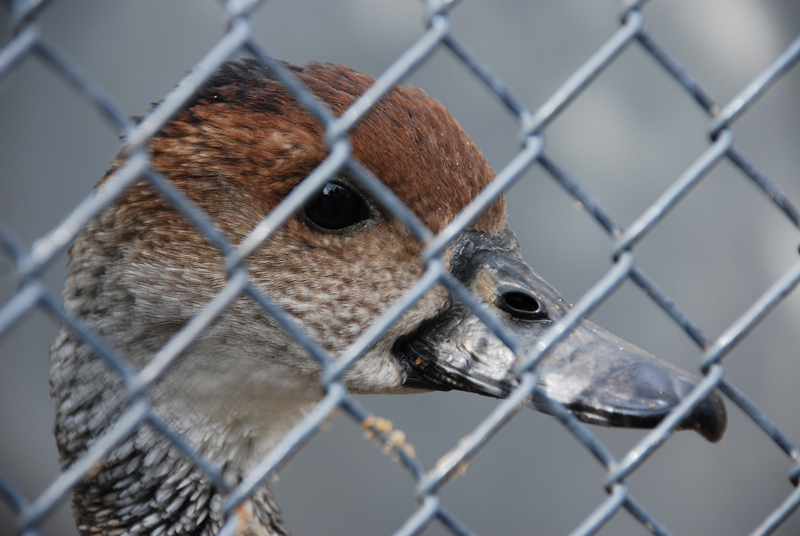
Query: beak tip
[709, 419]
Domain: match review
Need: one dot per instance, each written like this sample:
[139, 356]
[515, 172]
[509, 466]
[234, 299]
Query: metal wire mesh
[30, 263]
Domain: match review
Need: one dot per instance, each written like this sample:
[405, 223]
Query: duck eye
[336, 208]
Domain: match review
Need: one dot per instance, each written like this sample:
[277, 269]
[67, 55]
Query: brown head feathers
[246, 133]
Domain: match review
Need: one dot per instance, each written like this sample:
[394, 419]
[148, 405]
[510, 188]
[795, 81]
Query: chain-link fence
[712, 317]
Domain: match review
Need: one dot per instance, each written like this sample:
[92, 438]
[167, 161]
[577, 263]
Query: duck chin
[230, 434]
[233, 407]
[376, 372]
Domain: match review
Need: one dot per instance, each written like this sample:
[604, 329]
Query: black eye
[336, 208]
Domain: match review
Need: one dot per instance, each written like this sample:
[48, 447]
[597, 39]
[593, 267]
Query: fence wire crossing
[28, 42]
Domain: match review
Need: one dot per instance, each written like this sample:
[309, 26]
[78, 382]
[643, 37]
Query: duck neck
[148, 485]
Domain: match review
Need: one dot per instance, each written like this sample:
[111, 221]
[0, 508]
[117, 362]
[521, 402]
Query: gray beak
[597, 376]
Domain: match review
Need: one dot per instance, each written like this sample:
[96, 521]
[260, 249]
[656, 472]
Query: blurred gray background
[628, 137]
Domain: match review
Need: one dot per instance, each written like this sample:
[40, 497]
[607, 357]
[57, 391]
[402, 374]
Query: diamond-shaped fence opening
[649, 155]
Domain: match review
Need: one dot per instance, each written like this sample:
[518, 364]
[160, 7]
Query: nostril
[521, 305]
[521, 302]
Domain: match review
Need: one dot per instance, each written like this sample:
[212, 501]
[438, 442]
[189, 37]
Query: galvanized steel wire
[438, 32]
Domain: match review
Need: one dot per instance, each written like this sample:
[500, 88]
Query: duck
[140, 271]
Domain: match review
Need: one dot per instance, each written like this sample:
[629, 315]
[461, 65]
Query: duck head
[140, 271]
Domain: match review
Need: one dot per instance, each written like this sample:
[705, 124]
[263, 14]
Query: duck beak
[596, 375]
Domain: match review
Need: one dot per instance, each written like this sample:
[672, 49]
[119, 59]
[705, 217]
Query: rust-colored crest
[246, 133]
